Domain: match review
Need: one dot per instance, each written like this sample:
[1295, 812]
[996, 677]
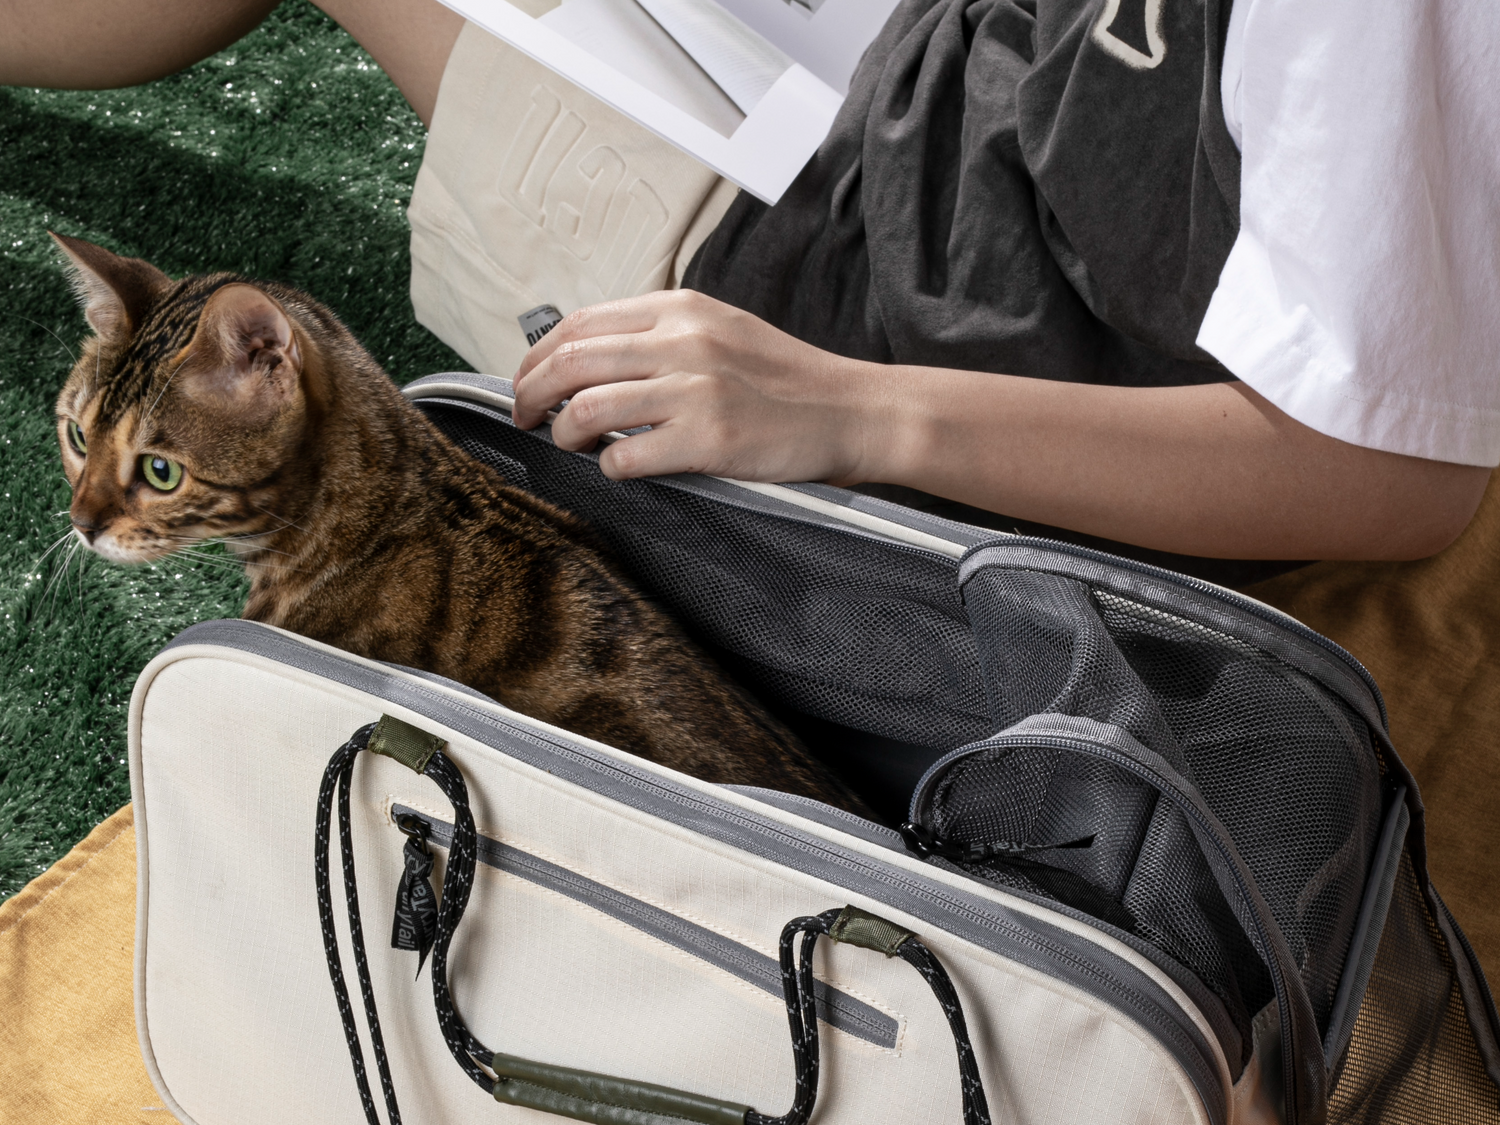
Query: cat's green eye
[75, 439]
[160, 473]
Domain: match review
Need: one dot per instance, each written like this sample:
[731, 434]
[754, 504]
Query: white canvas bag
[620, 937]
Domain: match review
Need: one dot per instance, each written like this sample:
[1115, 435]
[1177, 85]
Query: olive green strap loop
[603, 1100]
[411, 747]
[855, 927]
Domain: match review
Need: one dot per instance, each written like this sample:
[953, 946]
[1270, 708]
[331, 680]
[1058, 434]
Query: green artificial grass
[289, 156]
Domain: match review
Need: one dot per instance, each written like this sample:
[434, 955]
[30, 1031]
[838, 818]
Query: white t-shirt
[1362, 296]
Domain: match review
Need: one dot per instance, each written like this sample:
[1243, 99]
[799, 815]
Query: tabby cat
[220, 408]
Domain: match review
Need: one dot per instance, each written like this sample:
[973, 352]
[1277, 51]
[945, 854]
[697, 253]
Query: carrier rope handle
[580, 1094]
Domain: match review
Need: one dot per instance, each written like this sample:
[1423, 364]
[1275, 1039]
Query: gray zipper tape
[835, 1008]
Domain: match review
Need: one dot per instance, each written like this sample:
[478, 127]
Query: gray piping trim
[1215, 607]
[955, 537]
[725, 491]
[489, 384]
[962, 534]
[451, 685]
[1016, 936]
[826, 815]
[835, 1008]
[1365, 942]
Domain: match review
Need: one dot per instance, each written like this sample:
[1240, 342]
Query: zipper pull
[922, 843]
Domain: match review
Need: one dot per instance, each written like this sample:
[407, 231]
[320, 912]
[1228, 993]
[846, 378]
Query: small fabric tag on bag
[415, 925]
[537, 322]
[854, 926]
[404, 743]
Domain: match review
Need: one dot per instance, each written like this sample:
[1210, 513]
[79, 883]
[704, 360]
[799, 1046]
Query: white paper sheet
[826, 36]
[623, 34]
[788, 61]
[743, 63]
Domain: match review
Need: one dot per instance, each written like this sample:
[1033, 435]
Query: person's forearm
[1212, 470]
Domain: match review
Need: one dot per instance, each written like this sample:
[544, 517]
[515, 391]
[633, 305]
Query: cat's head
[183, 411]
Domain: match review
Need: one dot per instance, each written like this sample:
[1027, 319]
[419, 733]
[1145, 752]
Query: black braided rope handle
[458, 882]
[801, 1013]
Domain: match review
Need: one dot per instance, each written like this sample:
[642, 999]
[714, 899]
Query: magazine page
[749, 87]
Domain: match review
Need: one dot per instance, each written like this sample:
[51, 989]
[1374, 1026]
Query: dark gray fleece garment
[1000, 192]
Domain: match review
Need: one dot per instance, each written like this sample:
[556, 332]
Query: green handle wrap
[411, 747]
[854, 927]
[603, 1100]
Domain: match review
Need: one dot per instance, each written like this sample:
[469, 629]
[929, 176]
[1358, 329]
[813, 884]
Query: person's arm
[1213, 470]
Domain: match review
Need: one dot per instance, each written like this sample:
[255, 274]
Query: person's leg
[410, 39]
[85, 45]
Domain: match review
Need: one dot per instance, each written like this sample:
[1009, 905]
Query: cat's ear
[244, 357]
[116, 293]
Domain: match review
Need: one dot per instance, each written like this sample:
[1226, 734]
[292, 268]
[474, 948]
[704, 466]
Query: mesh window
[1286, 766]
[1282, 762]
[861, 634]
[1413, 1059]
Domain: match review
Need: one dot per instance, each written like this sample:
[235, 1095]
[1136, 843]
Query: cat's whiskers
[213, 561]
[51, 333]
[229, 540]
[56, 543]
[285, 523]
[83, 562]
[147, 416]
[59, 576]
[59, 568]
[234, 564]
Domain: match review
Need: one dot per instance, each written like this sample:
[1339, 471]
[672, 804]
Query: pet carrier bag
[1157, 860]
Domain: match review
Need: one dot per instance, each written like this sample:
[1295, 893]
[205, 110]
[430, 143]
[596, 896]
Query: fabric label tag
[537, 322]
[415, 924]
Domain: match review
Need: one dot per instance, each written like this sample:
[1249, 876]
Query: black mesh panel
[1413, 1060]
[860, 634]
[1285, 765]
[863, 633]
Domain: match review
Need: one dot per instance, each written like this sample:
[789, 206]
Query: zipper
[1222, 594]
[1101, 750]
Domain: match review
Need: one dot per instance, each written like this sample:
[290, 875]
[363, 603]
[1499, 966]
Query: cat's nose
[86, 528]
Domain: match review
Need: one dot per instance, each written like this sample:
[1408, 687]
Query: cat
[215, 407]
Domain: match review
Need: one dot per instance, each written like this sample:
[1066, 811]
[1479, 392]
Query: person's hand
[1201, 470]
[724, 392]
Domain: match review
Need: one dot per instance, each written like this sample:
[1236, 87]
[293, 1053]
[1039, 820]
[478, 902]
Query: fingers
[640, 338]
[723, 392]
[654, 453]
[596, 411]
[580, 365]
[611, 318]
